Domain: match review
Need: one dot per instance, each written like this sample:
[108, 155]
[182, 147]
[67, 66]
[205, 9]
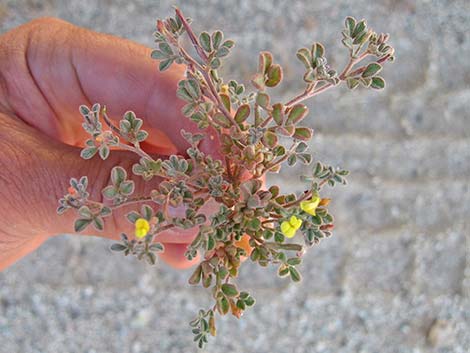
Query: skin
[48, 68]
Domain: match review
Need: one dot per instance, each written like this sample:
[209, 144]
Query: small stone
[441, 334]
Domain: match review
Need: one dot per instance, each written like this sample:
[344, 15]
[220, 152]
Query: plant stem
[137, 150]
[205, 72]
[277, 246]
[306, 195]
[191, 34]
[363, 68]
[309, 93]
[110, 124]
[131, 201]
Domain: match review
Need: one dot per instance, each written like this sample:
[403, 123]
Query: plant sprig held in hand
[258, 136]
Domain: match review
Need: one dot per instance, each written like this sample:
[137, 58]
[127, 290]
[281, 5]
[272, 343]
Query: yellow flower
[290, 227]
[310, 206]
[142, 227]
[224, 89]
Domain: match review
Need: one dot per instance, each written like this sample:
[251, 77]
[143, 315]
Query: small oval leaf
[243, 113]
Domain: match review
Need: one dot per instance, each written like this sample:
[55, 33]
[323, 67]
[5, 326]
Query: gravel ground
[394, 278]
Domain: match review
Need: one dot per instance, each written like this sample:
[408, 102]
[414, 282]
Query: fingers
[34, 174]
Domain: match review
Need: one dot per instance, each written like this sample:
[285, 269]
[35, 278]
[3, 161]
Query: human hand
[47, 69]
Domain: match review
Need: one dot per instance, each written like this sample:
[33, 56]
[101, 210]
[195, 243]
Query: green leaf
[109, 192]
[317, 50]
[118, 247]
[279, 237]
[125, 125]
[254, 255]
[147, 212]
[222, 120]
[294, 261]
[347, 42]
[352, 83]
[158, 55]
[210, 242]
[225, 100]
[85, 212]
[217, 38]
[196, 276]
[243, 113]
[104, 152]
[105, 211]
[279, 150]
[294, 274]
[241, 304]
[81, 224]
[222, 52]
[262, 99]
[223, 273]
[157, 247]
[258, 81]
[84, 110]
[141, 135]
[98, 223]
[274, 76]
[229, 290]
[316, 220]
[302, 147]
[306, 158]
[133, 216]
[130, 117]
[296, 114]
[317, 169]
[287, 130]
[250, 301]
[283, 271]
[350, 23]
[205, 41]
[188, 109]
[270, 139]
[88, 152]
[372, 69]
[366, 82]
[192, 86]
[377, 82]
[183, 93]
[303, 133]
[165, 48]
[304, 56]
[118, 175]
[292, 159]
[254, 224]
[151, 258]
[215, 63]
[278, 113]
[360, 27]
[223, 305]
[265, 62]
[127, 187]
[228, 44]
[361, 37]
[165, 64]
